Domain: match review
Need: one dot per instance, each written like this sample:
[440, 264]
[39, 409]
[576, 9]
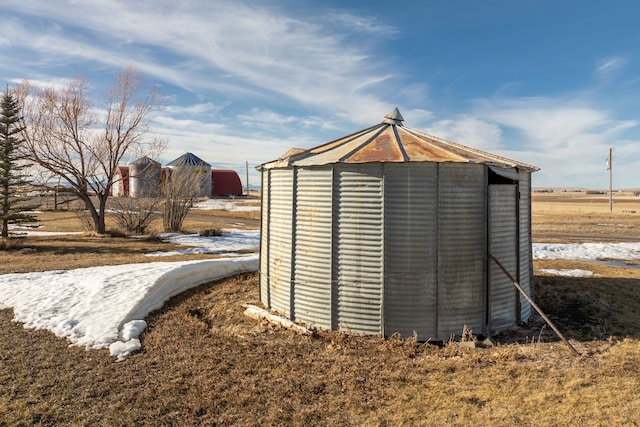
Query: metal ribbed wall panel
[410, 247]
[357, 248]
[280, 239]
[312, 269]
[525, 243]
[145, 176]
[461, 247]
[264, 240]
[502, 245]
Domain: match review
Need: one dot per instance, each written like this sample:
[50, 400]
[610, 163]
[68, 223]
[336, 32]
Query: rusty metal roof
[390, 141]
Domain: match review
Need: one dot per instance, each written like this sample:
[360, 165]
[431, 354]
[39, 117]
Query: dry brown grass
[581, 217]
[203, 219]
[66, 220]
[204, 363]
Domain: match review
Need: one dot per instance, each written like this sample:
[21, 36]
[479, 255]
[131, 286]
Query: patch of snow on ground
[568, 272]
[101, 307]
[235, 205]
[44, 233]
[32, 230]
[587, 251]
[233, 241]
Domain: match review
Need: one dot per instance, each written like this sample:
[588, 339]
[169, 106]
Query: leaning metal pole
[535, 306]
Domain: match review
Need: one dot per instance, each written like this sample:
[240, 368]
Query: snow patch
[232, 205]
[587, 251]
[100, 307]
[231, 241]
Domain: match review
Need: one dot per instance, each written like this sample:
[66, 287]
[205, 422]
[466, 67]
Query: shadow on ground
[591, 308]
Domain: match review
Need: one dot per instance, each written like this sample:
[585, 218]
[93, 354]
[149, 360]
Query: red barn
[225, 182]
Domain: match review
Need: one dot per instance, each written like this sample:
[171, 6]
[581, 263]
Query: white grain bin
[387, 230]
[192, 164]
[144, 177]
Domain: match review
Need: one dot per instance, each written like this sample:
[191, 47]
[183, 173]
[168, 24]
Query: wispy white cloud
[467, 130]
[233, 47]
[193, 109]
[57, 83]
[361, 24]
[262, 116]
[547, 123]
[567, 139]
[263, 119]
[417, 118]
[242, 61]
[607, 66]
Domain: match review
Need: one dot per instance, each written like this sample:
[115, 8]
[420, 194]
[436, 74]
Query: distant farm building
[225, 182]
[120, 186]
[145, 176]
[388, 229]
[192, 164]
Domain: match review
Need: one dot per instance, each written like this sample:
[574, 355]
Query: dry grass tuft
[11, 244]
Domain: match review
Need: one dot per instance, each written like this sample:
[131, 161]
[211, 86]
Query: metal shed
[387, 230]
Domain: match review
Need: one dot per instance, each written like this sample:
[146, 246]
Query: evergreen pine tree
[12, 207]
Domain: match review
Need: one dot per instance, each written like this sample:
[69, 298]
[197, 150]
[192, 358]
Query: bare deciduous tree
[180, 192]
[136, 214]
[82, 145]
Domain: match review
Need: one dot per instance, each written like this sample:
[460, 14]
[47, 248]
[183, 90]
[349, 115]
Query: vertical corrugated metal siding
[381, 248]
[264, 239]
[410, 247]
[525, 242]
[357, 248]
[461, 247]
[502, 245]
[312, 269]
[280, 238]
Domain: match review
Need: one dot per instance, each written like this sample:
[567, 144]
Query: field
[204, 363]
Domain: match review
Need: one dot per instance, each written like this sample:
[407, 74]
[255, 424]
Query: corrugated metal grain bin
[191, 164]
[387, 230]
[144, 177]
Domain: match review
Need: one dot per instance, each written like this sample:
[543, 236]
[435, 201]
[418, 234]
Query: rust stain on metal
[381, 149]
[420, 149]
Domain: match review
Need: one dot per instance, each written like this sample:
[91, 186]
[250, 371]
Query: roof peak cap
[394, 117]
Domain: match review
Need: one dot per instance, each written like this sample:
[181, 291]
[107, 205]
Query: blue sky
[554, 84]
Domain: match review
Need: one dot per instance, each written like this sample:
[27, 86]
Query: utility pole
[247, 169]
[610, 168]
